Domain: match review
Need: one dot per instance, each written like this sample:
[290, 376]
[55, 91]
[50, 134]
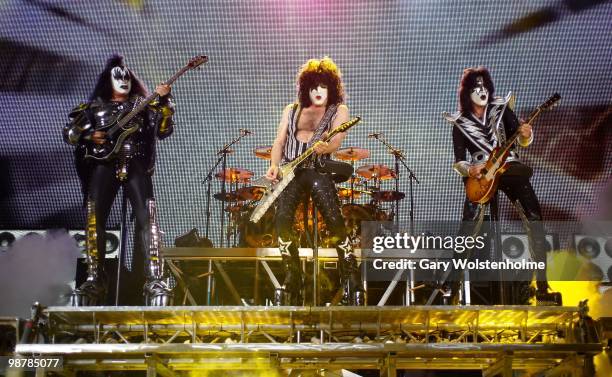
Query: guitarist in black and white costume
[482, 123]
[117, 92]
[319, 108]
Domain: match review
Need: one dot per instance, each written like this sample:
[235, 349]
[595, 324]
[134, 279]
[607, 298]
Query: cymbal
[228, 197]
[378, 171]
[235, 175]
[388, 196]
[357, 181]
[352, 154]
[345, 193]
[250, 192]
[264, 152]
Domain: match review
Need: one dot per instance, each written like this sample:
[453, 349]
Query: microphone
[246, 132]
[375, 135]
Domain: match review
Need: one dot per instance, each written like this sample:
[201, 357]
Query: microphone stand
[222, 159]
[399, 157]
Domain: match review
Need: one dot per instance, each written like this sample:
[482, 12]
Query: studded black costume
[100, 180]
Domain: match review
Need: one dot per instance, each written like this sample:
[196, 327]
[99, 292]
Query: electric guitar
[481, 190]
[287, 173]
[118, 131]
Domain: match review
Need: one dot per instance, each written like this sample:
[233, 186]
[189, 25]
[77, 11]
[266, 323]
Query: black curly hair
[469, 82]
[315, 72]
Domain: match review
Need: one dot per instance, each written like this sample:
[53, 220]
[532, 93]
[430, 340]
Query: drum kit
[362, 198]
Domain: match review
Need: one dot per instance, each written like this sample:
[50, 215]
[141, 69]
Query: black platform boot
[290, 293]
[545, 298]
[350, 280]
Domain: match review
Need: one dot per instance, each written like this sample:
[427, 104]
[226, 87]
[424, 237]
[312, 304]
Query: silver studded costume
[473, 141]
[100, 180]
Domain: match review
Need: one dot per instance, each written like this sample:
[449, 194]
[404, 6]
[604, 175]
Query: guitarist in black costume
[319, 108]
[483, 122]
[117, 92]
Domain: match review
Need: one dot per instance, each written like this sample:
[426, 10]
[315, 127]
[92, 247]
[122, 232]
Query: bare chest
[309, 121]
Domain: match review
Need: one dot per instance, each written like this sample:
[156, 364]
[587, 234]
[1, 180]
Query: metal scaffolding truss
[173, 340]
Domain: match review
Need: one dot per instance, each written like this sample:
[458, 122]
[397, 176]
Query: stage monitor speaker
[113, 239]
[515, 247]
[113, 242]
[598, 252]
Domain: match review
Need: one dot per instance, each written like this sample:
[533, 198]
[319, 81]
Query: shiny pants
[323, 192]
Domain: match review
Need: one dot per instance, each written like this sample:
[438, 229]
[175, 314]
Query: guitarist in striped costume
[319, 108]
[482, 123]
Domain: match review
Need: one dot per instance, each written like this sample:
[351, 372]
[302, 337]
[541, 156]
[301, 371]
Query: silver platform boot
[156, 289]
[92, 292]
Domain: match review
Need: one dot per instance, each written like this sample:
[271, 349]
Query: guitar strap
[324, 125]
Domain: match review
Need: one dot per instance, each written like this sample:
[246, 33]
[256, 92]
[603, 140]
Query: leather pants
[322, 189]
[519, 191]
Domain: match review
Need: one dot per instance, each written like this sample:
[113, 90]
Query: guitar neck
[148, 99]
[534, 114]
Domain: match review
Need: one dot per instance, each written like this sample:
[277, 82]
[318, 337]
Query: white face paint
[318, 95]
[480, 94]
[121, 80]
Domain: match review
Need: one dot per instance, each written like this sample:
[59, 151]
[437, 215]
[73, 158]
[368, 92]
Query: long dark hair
[104, 88]
[468, 82]
[315, 72]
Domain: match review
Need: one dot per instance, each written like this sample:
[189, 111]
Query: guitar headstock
[550, 102]
[197, 61]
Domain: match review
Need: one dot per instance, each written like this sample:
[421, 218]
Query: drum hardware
[398, 155]
[352, 154]
[221, 160]
[376, 171]
[226, 197]
[264, 152]
[235, 175]
[388, 196]
[250, 192]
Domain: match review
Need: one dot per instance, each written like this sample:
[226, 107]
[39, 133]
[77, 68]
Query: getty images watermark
[458, 244]
[434, 250]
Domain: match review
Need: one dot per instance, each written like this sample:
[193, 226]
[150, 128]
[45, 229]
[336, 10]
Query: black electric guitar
[287, 173]
[118, 131]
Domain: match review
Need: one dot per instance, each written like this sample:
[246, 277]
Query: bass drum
[260, 234]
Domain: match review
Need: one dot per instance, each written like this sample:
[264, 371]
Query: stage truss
[172, 341]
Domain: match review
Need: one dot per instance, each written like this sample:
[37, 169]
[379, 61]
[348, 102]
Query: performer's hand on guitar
[476, 171]
[272, 173]
[321, 147]
[525, 130]
[98, 137]
[162, 90]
